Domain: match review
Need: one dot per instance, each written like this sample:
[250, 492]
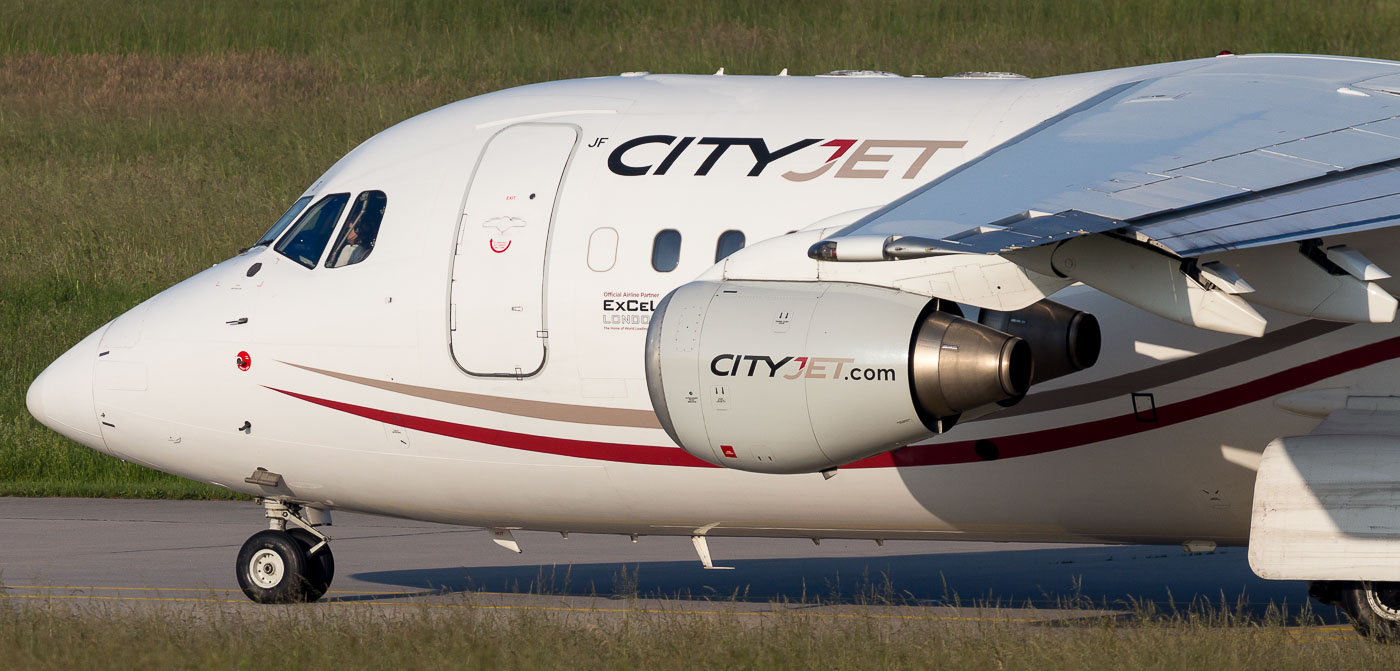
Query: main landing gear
[1374, 607]
[286, 565]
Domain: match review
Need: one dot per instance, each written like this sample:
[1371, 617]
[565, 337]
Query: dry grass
[54, 635]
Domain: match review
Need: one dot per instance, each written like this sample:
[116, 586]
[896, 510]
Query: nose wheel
[320, 567]
[282, 565]
[272, 568]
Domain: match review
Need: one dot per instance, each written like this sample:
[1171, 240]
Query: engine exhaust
[957, 365]
[1062, 340]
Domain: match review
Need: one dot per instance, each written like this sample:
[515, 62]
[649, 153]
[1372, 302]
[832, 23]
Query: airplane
[812, 307]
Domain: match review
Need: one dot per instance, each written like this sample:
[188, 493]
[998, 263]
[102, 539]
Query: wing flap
[1195, 216]
[1345, 202]
[1170, 194]
[1386, 127]
[1383, 84]
[1255, 170]
[1344, 149]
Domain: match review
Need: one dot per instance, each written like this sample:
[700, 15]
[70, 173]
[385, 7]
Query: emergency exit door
[498, 325]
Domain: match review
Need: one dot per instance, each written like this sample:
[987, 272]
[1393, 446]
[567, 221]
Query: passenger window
[729, 242]
[361, 228]
[309, 236]
[602, 250]
[287, 218]
[666, 250]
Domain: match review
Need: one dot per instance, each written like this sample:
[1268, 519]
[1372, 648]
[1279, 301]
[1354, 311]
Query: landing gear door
[498, 325]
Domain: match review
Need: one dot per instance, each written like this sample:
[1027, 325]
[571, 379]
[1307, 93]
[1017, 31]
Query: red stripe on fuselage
[1019, 445]
[655, 455]
[1050, 440]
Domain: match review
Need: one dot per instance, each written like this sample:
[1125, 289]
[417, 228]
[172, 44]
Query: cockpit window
[287, 218]
[308, 238]
[357, 236]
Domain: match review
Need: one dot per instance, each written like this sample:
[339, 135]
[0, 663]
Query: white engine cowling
[800, 377]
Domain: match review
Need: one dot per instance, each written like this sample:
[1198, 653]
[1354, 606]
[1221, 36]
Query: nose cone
[61, 397]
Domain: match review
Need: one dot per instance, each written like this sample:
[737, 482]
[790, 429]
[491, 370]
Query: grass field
[35, 635]
[143, 140]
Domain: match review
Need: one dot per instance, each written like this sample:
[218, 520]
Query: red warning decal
[494, 244]
[728, 451]
[244, 361]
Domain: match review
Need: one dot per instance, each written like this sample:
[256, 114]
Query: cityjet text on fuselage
[846, 159]
[809, 367]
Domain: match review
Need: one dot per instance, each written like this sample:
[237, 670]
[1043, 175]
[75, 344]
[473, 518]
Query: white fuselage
[359, 395]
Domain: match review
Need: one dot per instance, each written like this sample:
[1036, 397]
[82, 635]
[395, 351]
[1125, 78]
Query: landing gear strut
[282, 565]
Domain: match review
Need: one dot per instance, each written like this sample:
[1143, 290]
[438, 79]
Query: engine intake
[798, 377]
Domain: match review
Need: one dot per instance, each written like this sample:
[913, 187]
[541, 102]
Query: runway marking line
[565, 609]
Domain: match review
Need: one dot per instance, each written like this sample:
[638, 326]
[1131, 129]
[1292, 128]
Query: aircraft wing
[1240, 153]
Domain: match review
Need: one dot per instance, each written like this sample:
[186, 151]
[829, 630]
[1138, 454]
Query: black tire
[1374, 609]
[320, 567]
[271, 568]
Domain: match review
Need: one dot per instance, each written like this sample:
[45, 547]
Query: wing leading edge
[1242, 153]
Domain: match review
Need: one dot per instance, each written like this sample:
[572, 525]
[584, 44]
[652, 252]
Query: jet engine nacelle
[800, 377]
[1063, 340]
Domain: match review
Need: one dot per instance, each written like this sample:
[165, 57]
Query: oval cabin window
[729, 242]
[666, 250]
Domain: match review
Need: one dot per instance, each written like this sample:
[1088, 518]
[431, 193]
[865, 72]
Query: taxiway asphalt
[142, 552]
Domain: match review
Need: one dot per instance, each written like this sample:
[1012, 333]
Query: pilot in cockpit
[357, 240]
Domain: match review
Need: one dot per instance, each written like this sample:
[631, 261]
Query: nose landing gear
[281, 565]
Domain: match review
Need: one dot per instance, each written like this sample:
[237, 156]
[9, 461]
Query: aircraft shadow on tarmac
[1115, 577]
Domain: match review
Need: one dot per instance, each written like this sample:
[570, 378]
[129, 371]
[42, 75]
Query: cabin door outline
[498, 296]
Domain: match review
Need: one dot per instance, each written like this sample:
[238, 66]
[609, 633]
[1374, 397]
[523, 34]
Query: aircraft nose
[61, 397]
